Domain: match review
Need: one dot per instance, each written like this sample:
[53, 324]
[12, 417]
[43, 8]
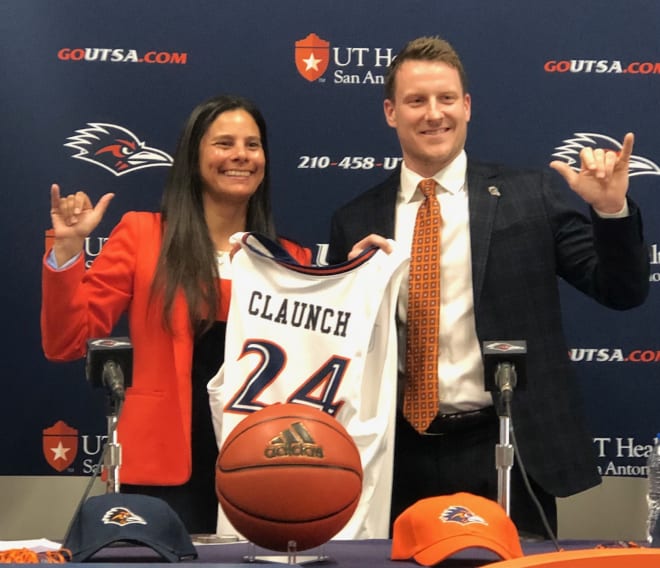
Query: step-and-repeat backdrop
[546, 78]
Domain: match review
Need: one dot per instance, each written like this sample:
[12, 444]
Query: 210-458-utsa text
[348, 162]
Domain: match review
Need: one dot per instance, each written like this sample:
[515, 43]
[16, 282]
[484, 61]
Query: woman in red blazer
[170, 272]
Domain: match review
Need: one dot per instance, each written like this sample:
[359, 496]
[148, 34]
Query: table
[367, 553]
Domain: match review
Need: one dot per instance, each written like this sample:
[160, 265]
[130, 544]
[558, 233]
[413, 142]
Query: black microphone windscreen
[102, 350]
[501, 351]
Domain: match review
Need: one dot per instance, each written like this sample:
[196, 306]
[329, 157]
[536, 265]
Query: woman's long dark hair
[187, 259]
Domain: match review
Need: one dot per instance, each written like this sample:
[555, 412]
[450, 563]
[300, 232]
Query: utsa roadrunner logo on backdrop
[122, 516]
[115, 148]
[461, 515]
[569, 152]
[294, 441]
[312, 56]
[60, 445]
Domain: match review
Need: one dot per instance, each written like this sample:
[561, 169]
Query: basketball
[288, 472]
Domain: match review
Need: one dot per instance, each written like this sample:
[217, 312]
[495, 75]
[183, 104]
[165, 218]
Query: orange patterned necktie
[421, 398]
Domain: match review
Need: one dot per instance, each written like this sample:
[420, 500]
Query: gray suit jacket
[521, 241]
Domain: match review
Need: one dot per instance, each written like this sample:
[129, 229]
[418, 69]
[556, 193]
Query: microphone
[110, 365]
[504, 366]
[113, 379]
[506, 379]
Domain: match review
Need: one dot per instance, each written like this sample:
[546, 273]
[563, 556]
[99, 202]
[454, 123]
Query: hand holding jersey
[317, 336]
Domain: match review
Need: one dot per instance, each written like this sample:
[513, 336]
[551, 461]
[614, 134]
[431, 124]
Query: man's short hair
[427, 48]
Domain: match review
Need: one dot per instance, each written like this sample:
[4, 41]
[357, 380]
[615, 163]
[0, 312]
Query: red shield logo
[60, 445]
[312, 55]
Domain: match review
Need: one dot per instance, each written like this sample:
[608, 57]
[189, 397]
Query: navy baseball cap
[132, 518]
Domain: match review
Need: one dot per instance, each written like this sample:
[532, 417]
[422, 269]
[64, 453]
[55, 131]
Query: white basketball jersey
[321, 336]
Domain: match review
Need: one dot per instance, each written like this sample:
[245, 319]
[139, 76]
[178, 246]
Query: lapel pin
[492, 189]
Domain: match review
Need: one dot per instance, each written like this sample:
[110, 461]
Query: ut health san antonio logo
[312, 56]
[115, 149]
[60, 445]
[569, 151]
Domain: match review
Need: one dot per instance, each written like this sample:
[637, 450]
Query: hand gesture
[603, 177]
[371, 240]
[74, 218]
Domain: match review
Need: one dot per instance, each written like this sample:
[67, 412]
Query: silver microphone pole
[505, 378]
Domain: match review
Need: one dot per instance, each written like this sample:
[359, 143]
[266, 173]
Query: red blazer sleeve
[78, 304]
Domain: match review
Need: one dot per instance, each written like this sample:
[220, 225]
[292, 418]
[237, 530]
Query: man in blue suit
[507, 235]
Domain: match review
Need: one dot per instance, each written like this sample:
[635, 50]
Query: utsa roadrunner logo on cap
[461, 515]
[294, 441]
[569, 151]
[115, 148]
[122, 516]
[60, 445]
[312, 56]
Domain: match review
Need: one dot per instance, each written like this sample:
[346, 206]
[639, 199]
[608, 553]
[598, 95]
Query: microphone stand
[504, 462]
[505, 374]
[112, 460]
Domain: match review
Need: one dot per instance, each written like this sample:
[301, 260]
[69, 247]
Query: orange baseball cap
[435, 528]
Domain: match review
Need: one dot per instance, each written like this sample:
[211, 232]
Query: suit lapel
[483, 197]
[384, 209]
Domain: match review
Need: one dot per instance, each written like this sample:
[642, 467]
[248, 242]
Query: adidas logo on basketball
[295, 441]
